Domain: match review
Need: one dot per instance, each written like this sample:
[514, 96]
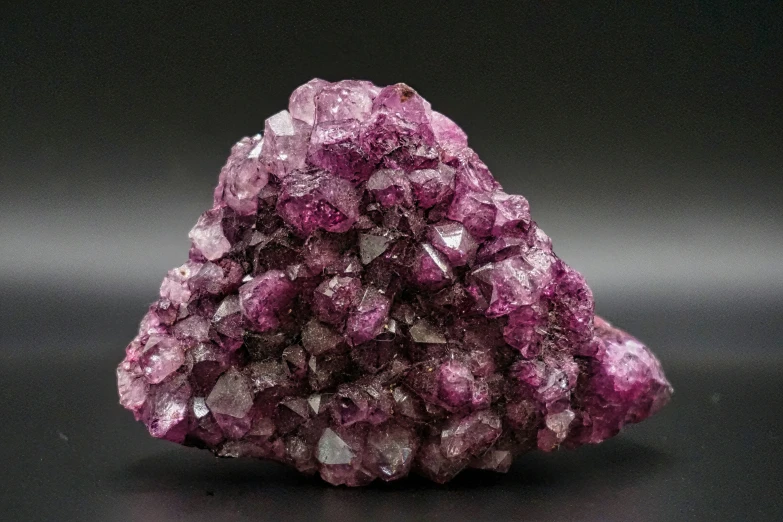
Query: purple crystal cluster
[364, 300]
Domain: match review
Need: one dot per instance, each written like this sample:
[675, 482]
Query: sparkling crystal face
[364, 301]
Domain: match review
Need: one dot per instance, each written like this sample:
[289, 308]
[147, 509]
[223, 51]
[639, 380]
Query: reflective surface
[70, 452]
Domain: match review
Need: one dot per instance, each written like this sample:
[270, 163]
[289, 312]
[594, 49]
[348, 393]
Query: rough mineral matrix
[363, 300]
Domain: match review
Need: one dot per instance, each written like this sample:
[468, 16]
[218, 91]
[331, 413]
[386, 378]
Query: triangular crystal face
[231, 395]
[298, 405]
[364, 301]
[314, 401]
[425, 332]
[332, 450]
[371, 246]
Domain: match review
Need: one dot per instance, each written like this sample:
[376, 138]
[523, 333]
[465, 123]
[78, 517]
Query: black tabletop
[70, 452]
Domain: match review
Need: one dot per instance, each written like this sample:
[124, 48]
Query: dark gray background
[646, 137]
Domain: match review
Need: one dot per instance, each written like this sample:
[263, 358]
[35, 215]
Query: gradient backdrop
[647, 138]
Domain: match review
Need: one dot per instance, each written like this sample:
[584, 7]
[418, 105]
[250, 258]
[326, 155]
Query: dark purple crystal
[363, 300]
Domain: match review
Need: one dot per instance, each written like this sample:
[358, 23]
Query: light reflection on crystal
[364, 301]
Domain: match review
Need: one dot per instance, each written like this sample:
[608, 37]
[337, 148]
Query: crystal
[431, 269]
[472, 434]
[367, 319]
[242, 178]
[333, 450]
[424, 332]
[475, 210]
[318, 338]
[335, 147]
[390, 188]
[448, 134]
[207, 361]
[433, 186]
[285, 144]
[314, 401]
[232, 395]
[364, 301]
[332, 299]
[208, 236]
[390, 451]
[166, 408]
[455, 242]
[398, 134]
[372, 246]
[494, 460]
[162, 356]
[291, 413]
[295, 359]
[228, 319]
[217, 278]
[345, 100]
[265, 298]
[512, 283]
[457, 386]
[316, 200]
[301, 104]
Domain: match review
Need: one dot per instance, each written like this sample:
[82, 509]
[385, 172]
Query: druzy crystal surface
[363, 300]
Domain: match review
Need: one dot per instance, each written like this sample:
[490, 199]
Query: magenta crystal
[285, 144]
[364, 301]
[311, 200]
[265, 298]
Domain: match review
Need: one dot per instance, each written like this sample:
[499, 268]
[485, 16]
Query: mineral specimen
[364, 300]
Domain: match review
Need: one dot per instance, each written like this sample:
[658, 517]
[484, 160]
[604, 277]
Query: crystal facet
[363, 300]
